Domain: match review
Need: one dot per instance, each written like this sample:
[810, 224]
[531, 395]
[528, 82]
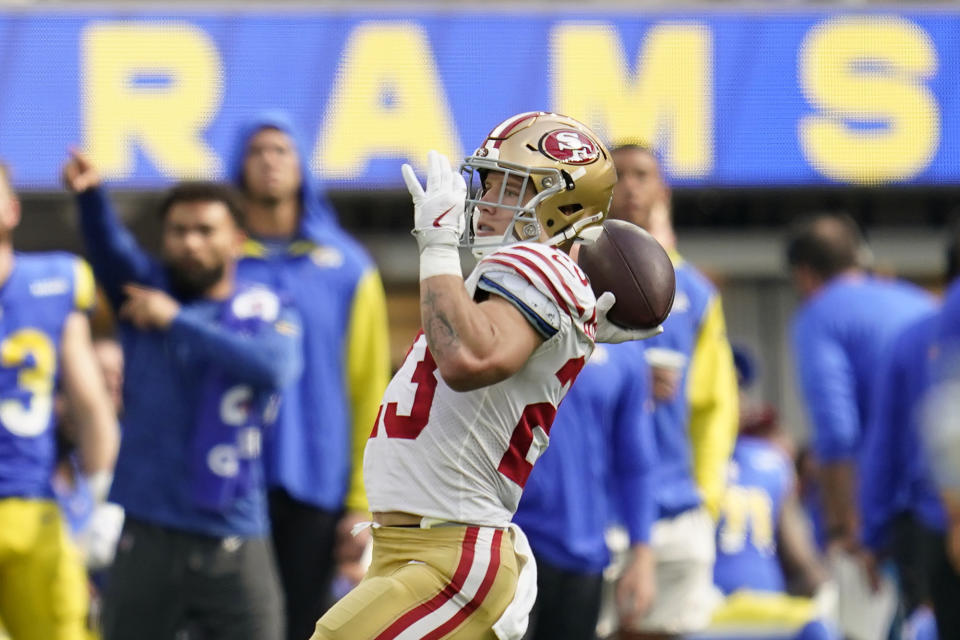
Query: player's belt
[402, 519]
[396, 519]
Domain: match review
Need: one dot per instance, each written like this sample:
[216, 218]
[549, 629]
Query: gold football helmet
[570, 170]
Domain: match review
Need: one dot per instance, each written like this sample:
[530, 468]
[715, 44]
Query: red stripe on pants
[451, 589]
[482, 592]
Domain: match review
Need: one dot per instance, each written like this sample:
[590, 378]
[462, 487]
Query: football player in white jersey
[469, 411]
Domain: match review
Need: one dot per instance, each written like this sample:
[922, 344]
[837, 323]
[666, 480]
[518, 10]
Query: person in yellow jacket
[695, 414]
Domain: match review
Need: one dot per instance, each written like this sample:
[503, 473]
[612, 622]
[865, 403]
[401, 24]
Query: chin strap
[586, 230]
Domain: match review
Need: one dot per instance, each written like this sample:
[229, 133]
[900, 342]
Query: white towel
[863, 614]
[513, 623]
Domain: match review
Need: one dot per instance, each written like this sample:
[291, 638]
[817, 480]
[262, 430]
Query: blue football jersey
[760, 478]
[41, 291]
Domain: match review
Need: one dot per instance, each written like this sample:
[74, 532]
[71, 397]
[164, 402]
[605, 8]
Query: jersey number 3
[28, 417]
[529, 437]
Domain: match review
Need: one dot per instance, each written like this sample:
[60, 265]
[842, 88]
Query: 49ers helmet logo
[569, 147]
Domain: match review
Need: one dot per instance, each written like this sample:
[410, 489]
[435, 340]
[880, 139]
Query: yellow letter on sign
[387, 101]
[152, 85]
[876, 120]
[668, 102]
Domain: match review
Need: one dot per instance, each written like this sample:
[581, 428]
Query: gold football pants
[428, 584]
[43, 583]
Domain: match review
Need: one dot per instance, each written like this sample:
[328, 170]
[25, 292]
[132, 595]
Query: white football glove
[438, 218]
[611, 333]
[98, 540]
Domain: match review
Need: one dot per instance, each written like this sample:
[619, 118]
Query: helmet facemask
[524, 226]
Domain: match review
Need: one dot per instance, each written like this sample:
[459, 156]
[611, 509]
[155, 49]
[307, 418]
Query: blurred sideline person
[940, 434]
[695, 412]
[94, 526]
[314, 455]
[763, 544]
[903, 515]
[470, 410]
[44, 342]
[942, 420]
[846, 320]
[596, 470]
[205, 354]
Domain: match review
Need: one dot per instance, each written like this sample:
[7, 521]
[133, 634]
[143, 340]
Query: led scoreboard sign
[728, 98]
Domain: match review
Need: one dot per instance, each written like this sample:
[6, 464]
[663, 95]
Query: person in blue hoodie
[206, 355]
[314, 456]
[844, 324]
[597, 470]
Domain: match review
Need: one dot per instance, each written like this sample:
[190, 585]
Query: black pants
[926, 575]
[303, 539]
[567, 606]
[914, 550]
[166, 583]
[945, 586]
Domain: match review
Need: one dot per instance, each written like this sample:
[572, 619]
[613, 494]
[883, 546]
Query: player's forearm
[637, 585]
[459, 334]
[443, 314]
[641, 553]
[838, 483]
[99, 436]
[796, 548]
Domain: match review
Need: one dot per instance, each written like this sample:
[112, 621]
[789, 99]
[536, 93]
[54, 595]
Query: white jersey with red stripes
[465, 456]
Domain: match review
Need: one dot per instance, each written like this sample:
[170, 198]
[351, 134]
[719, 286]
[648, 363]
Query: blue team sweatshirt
[164, 372]
[315, 453]
[839, 335]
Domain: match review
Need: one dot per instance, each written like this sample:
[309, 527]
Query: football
[630, 263]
